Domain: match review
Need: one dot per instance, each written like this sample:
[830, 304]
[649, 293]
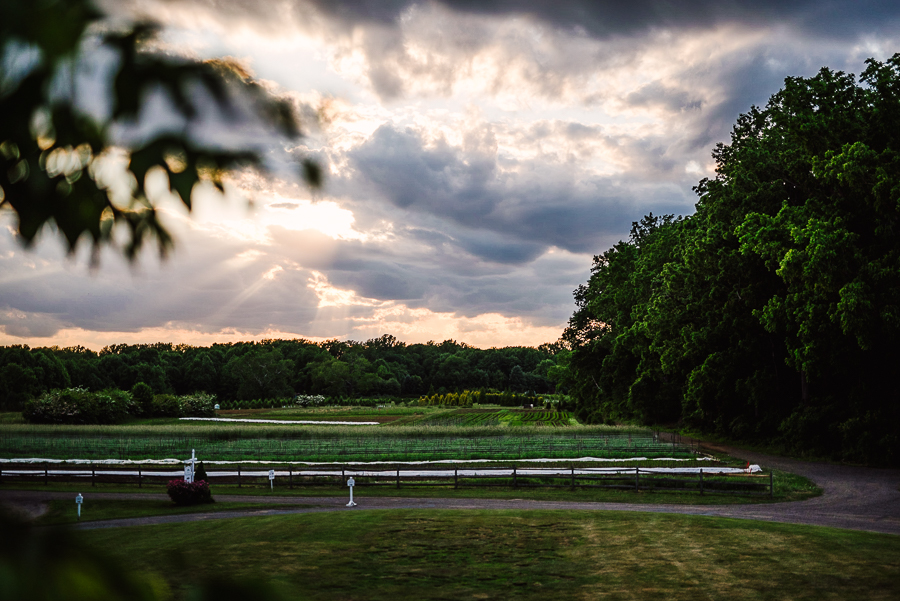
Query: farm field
[417, 554]
[418, 416]
[417, 434]
[499, 417]
[240, 443]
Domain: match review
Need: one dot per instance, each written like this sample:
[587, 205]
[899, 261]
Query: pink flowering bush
[189, 493]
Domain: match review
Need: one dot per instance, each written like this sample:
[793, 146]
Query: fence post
[573, 477]
[637, 479]
[515, 483]
[139, 477]
[701, 481]
[93, 474]
[398, 476]
[46, 476]
[456, 478]
[771, 485]
[290, 476]
[239, 476]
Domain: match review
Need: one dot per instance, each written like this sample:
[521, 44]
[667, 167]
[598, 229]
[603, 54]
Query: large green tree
[772, 311]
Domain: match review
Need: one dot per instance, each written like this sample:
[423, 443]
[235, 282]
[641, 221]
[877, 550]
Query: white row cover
[277, 421]
[553, 471]
[172, 461]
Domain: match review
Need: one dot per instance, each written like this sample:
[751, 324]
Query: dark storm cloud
[609, 18]
[427, 268]
[518, 214]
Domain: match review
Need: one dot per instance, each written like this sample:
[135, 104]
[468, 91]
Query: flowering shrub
[198, 404]
[189, 493]
[79, 406]
[307, 400]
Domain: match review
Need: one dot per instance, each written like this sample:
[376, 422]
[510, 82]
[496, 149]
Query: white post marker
[272, 479]
[189, 468]
[351, 483]
[78, 501]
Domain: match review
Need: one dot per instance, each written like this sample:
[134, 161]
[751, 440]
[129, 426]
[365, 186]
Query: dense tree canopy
[774, 310]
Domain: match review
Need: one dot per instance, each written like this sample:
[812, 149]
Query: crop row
[469, 417]
[345, 448]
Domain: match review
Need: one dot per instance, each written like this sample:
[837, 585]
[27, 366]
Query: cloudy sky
[478, 154]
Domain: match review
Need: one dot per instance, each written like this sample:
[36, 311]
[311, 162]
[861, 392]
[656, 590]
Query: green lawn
[406, 554]
[65, 512]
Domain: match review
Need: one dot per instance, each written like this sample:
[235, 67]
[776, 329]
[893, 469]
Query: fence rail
[637, 479]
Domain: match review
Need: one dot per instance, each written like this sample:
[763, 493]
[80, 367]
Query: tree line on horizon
[772, 313]
[269, 369]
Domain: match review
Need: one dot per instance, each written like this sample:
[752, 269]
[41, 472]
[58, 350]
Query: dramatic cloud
[477, 155]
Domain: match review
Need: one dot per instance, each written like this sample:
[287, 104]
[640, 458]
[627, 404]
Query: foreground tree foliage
[75, 94]
[773, 312]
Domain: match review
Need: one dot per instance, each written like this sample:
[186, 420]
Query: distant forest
[272, 369]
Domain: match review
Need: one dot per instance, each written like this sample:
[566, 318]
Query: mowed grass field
[416, 554]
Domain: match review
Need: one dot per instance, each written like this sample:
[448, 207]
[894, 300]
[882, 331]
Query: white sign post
[351, 483]
[78, 501]
[189, 468]
[272, 479]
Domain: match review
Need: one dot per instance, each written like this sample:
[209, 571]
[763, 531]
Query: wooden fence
[638, 479]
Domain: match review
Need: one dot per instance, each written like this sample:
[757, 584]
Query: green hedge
[80, 406]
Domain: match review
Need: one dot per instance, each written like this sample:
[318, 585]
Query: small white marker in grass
[78, 501]
[351, 483]
[272, 479]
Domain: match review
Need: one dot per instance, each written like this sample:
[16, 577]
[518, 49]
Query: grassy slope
[64, 512]
[408, 554]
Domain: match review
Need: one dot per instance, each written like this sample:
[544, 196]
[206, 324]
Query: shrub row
[80, 406]
[468, 397]
[306, 400]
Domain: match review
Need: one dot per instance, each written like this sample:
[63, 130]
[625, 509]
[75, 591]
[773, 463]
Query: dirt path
[854, 498]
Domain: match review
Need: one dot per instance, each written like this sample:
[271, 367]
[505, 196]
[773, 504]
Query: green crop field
[407, 434]
[245, 444]
[499, 417]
